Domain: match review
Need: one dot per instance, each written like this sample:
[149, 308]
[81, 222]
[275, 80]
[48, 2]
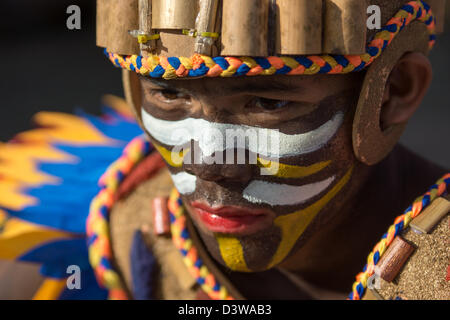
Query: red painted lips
[232, 219]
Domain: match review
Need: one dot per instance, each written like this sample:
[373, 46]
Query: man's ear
[405, 89]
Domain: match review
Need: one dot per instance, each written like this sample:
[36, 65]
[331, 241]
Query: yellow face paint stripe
[174, 159]
[293, 225]
[232, 253]
[273, 168]
[289, 171]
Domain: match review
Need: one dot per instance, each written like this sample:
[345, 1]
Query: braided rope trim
[201, 65]
[97, 225]
[183, 242]
[400, 224]
[97, 229]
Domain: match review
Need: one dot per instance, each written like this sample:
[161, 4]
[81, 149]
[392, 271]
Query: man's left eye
[169, 96]
[270, 104]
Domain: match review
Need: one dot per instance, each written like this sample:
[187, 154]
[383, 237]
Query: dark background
[45, 66]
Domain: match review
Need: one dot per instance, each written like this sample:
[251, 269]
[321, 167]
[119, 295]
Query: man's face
[254, 210]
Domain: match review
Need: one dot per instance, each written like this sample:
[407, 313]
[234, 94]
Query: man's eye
[269, 104]
[167, 95]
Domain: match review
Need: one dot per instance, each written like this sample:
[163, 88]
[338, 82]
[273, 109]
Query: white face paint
[184, 182]
[178, 133]
[214, 137]
[276, 194]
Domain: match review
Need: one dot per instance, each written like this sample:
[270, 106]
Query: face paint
[287, 171]
[178, 133]
[276, 194]
[173, 159]
[232, 253]
[184, 182]
[280, 170]
[293, 225]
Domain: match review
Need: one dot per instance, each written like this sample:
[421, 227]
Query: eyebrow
[161, 83]
[266, 86]
[253, 88]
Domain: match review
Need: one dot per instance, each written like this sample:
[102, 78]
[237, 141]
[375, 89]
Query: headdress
[174, 39]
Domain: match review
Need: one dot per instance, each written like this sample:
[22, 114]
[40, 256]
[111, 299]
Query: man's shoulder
[136, 213]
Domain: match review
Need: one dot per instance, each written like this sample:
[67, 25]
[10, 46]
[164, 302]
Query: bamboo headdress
[173, 39]
[194, 38]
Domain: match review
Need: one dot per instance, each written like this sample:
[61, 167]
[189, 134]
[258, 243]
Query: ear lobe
[405, 89]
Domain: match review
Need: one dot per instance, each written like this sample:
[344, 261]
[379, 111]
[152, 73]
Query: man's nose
[240, 173]
[219, 108]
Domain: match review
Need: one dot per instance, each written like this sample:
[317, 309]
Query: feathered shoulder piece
[48, 177]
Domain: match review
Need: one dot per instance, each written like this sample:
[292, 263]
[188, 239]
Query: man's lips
[232, 219]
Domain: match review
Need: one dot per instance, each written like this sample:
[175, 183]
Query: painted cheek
[294, 224]
[173, 159]
[276, 194]
[232, 253]
[184, 182]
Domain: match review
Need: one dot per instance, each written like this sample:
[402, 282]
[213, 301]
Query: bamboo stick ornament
[393, 259]
[123, 17]
[206, 23]
[438, 9]
[431, 216]
[216, 49]
[174, 14]
[300, 27]
[102, 22]
[161, 220]
[345, 26]
[145, 26]
[272, 33]
[245, 27]
[174, 43]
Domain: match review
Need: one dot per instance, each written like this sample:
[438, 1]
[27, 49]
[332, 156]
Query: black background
[45, 66]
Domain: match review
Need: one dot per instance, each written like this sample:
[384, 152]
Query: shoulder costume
[72, 195]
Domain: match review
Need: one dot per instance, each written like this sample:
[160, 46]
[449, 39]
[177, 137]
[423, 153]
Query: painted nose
[241, 173]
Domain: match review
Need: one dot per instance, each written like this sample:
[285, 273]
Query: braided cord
[97, 225]
[201, 65]
[400, 224]
[183, 242]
